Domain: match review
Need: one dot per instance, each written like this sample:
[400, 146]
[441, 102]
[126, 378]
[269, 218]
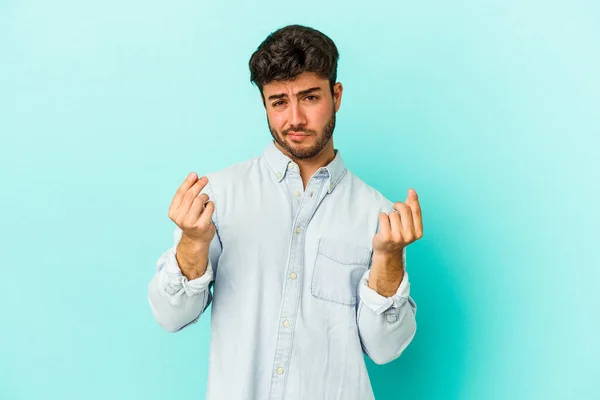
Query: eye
[314, 97]
[277, 103]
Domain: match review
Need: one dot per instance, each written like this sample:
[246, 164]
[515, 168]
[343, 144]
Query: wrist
[192, 257]
[391, 262]
[387, 271]
[193, 243]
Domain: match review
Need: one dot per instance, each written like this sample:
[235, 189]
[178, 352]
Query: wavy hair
[291, 51]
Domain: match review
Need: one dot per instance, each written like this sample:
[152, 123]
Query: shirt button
[298, 230]
[278, 175]
[311, 194]
[293, 276]
[297, 194]
[286, 324]
[280, 370]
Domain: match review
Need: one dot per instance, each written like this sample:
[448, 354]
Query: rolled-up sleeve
[386, 325]
[175, 301]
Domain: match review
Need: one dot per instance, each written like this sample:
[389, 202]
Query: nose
[297, 117]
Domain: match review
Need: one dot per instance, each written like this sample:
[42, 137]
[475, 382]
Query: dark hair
[290, 51]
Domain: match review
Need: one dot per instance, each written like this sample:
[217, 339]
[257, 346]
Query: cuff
[174, 280]
[380, 304]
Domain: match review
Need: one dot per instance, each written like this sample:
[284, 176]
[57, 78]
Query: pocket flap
[344, 252]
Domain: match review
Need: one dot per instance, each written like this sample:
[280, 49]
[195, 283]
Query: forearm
[174, 305]
[386, 312]
[192, 257]
[386, 274]
[175, 300]
[384, 335]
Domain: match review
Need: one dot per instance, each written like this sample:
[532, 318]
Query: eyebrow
[300, 93]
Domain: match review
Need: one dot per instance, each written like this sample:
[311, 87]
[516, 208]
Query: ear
[337, 95]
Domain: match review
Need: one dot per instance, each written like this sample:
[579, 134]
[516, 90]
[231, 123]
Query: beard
[306, 152]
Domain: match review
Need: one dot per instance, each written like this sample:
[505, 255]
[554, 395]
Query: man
[303, 262]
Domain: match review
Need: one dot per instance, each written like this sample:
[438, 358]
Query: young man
[306, 262]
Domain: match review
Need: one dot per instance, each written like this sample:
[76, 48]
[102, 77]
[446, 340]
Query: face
[301, 114]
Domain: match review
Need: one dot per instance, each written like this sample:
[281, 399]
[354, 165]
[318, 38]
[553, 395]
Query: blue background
[489, 109]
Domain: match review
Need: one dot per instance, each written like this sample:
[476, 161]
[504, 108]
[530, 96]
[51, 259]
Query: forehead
[303, 81]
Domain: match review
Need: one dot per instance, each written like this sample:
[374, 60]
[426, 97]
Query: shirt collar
[278, 164]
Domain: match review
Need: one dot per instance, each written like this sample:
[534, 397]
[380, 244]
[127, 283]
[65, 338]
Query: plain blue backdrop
[489, 109]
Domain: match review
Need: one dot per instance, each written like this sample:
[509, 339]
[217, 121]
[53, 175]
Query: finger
[206, 217]
[406, 217]
[384, 224]
[396, 225]
[197, 207]
[415, 207]
[192, 193]
[407, 222]
[187, 183]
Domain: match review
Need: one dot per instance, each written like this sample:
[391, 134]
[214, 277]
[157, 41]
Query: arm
[386, 324]
[179, 292]
[175, 300]
[386, 312]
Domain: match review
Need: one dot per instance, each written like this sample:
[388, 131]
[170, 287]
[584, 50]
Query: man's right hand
[189, 212]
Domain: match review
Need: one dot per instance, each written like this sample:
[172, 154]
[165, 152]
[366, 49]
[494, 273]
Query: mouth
[297, 135]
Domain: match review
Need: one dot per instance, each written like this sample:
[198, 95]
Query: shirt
[292, 314]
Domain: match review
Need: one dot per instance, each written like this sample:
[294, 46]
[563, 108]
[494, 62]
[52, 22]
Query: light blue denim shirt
[287, 277]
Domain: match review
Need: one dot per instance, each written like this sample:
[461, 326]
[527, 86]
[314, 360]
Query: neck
[308, 166]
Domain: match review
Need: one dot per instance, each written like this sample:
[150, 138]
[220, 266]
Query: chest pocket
[337, 271]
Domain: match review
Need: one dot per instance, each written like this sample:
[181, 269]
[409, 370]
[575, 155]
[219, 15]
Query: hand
[400, 228]
[193, 213]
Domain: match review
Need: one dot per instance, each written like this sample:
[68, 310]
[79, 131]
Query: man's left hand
[400, 228]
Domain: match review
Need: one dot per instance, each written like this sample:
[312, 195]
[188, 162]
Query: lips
[297, 136]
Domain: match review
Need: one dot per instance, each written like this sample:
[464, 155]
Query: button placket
[303, 211]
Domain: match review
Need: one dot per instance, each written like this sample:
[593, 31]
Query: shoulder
[241, 179]
[367, 194]
[234, 171]
[227, 184]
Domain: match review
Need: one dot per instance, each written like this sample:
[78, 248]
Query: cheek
[321, 115]
[276, 120]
